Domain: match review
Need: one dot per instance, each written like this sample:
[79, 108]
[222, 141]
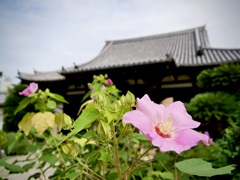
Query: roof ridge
[215, 48]
[156, 35]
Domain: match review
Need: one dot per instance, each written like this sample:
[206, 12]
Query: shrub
[230, 143]
[16, 143]
[213, 109]
[225, 77]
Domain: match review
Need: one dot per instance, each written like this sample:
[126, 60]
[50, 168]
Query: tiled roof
[42, 76]
[187, 48]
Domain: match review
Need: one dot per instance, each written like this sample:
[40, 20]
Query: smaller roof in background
[42, 76]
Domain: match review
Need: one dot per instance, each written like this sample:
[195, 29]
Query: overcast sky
[45, 35]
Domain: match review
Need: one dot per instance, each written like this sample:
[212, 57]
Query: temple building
[164, 65]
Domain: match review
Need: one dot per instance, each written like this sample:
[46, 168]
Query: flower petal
[33, 87]
[180, 118]
[152, 110]
[180, 142]
[189, 138]
[139, 120]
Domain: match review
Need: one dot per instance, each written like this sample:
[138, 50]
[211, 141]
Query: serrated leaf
[87, 117]
[11, 167]
[200, 167]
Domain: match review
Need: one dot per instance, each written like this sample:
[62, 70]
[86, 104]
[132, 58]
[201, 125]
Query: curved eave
[41, 77]
[117, 66]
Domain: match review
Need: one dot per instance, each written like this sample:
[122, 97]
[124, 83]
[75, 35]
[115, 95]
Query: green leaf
[34, 147]
[97, 87]
[40, 106]
[105, 156]
[62, 174]
[87, 95]
[50, 158]
[89, 134]
[200, 167]
[23, 104]
[11, 167]
[28, 166]
[87, 117]
[163, 175]
[57, 97]
[124, 156]
[72, 175]
[166, 175]
[140, 137]
[51, 104]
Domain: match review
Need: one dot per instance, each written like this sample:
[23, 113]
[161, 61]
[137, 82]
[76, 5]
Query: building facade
[164, 65]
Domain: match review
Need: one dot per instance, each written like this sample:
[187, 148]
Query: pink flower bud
[109, 81]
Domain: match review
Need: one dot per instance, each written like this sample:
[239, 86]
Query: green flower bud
[70, 148]
[101, 99]
[114, 107]
[130, 99]
[67, 122]
[123, 101]
[104, 131]
[47, 91]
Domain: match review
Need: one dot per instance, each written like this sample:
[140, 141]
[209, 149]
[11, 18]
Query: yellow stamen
[164, 129]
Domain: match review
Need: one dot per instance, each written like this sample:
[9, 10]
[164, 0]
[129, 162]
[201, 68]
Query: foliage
[10, 121]
[15, 144]
[230, 143]
[225, 75]
[213, 109]
[212, 105]
[200, 167]
[99, 145]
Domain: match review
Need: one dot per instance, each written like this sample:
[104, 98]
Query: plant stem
[115, 142]
[85, 166]
[131, 167]
[175, 168]
[58, 150]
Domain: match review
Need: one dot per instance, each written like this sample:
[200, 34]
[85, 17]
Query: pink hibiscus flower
[32, 88]
[169, 128]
